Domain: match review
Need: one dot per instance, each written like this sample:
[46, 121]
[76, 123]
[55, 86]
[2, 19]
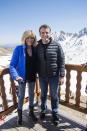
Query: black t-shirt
[30, 66]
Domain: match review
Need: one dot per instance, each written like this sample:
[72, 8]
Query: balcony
[72, 109]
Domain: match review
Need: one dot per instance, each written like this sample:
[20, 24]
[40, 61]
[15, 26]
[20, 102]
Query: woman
[23, 70]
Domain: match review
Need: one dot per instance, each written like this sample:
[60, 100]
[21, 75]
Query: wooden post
[3, 94]
[78, 88]
[37, 90]
[67, 86]
[13, 88]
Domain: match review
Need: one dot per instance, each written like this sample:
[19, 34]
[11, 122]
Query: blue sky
[16, 16]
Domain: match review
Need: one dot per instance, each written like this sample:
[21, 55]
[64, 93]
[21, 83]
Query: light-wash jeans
[21, 94]
[54, 86]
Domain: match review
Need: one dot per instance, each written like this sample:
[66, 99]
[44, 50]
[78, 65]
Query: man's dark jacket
[50, 59]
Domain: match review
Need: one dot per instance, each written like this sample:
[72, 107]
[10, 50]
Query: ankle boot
[32, 115]
[19, 117]
[55, 119]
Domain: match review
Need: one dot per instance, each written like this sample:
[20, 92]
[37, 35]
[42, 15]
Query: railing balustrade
[6, 109]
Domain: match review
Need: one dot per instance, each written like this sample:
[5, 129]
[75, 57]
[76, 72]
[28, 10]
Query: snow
[74, 46]
[4, 61]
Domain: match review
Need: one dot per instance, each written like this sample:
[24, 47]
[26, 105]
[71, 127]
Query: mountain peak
[83, 32]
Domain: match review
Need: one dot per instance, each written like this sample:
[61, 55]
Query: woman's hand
[19, 78]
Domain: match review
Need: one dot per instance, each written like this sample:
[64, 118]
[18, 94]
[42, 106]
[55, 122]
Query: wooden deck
[72, 111]
[70, 120]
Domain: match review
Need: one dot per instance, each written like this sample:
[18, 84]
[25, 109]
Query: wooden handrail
[76, 67]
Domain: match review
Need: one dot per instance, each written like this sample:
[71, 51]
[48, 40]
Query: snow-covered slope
[74, 45]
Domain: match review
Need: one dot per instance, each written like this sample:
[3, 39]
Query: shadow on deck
[65, 124]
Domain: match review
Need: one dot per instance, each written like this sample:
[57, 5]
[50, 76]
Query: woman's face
[29, 41]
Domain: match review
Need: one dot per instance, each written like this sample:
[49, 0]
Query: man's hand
[61, 80]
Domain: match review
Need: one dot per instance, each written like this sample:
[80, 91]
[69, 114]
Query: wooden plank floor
[68, 121]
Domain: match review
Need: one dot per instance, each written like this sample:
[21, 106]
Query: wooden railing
[4, 107]
[66, 101]
[77, 95]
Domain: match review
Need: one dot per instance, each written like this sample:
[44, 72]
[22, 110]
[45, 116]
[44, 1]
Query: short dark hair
[44, 26]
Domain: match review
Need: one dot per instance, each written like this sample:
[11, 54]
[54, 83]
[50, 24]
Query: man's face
[45, 34]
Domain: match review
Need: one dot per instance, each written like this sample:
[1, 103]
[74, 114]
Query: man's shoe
[55, 120]
[42, 115]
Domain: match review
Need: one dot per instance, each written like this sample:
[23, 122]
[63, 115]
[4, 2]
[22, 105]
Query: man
[51, 70]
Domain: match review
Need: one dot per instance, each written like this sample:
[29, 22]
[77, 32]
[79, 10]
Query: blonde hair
[29, 33]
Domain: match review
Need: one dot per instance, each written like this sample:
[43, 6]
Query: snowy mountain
[74, 45]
